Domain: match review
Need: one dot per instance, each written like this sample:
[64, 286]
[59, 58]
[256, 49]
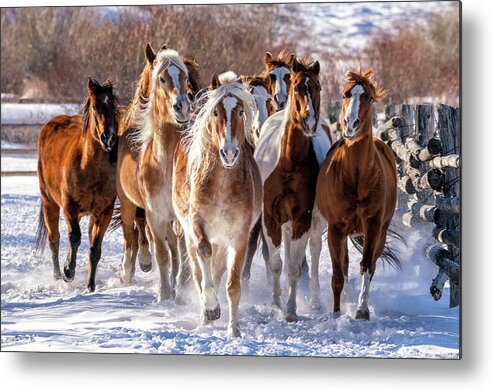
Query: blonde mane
[199, 137]
[144, 120]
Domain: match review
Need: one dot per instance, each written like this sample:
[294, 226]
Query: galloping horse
[277, 74]
[217, 193]
[145, 157]
[76, 170]
[357, 188]
[289, 151]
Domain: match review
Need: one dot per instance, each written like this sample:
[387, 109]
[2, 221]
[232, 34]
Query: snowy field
[39, 314]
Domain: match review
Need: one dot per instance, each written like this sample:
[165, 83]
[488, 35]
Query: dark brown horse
[76, 170]
[286, 154]
[357, 188]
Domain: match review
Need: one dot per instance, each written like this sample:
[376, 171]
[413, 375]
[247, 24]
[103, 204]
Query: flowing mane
[198, 137]
[365, 78]
[143, 108]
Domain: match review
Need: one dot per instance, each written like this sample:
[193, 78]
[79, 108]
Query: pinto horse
[76, 170]
[217, 193]
[289, 152]
[145, 159]
[357, 188]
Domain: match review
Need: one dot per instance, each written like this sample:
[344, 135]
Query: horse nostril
[345, 122]
[237, 152]
[177, 107]
[356, 124]
[223, 154]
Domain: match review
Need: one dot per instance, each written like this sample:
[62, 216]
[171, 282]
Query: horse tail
[388, 254]
[116, 218]
[41, 234]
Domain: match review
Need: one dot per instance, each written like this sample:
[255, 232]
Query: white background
[475, 371]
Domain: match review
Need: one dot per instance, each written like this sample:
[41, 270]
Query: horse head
[101, 113]
[170, 86]
[264, 107]
[358, 96]
[277, 73]
[304, 95]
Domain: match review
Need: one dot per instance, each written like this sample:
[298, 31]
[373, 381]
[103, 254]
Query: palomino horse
[357, 188]
[217, 193]
[130, 124]
[277, 73]
[145, 158]
[76, 170]
[290, 149]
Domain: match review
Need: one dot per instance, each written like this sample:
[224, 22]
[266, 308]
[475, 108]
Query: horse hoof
[145, 267]
[234, 332]
[363, 313]
[68, 275]
[290, 318]
[91, 287]
[57, 276]
[125, 280]
[205, 249]
[213, 314]
[336, 314]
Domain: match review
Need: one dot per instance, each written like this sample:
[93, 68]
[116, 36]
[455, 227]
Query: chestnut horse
[76, 170]
[289, 151]
[357, 188]
[277, 74]
[130, 124]
[145, 158]
[217, 193]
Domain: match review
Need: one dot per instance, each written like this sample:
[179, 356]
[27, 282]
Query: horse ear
[150, 53]
[215, 81]
[268, 58]
[315, 67]
[296, 66]
[290, 59]
[108, 86]
[164, 47]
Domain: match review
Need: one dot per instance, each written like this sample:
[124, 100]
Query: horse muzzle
[108, 141]
[229, 157]
[182, 110]
[280, 101]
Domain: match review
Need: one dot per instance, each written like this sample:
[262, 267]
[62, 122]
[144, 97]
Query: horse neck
[362, 149]
[92, 152]
[294, 145]
[165, 135]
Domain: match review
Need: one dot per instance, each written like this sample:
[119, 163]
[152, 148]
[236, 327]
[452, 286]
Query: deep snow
[41, 315]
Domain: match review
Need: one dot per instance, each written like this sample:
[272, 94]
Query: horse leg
[211, 308]
[158, 227]
[338, 249]
[273, 256]
[373, 235]
[145, 258]
[127, 209]
[236, 255]
[51, 215]
[295, 250]
[265, 255]
[184, 273]
[99, 224]
[172, 241]
[315, 243]
[74, 235]
[252, 248]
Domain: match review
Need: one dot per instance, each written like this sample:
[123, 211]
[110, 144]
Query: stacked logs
[426, 143]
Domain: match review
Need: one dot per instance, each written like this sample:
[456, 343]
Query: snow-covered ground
[39, 314]
[35, 113]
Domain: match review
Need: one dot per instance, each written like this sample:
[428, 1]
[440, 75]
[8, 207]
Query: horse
[150, 133]
[140, 244]
[264, 107]
[357, 188]
[76, 171]
[289, 152]
[277, 73]
[217, 193]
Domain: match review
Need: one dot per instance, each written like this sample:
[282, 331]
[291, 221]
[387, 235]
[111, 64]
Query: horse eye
[241, 113]
[162, 79]
[216, 114]
[296, 89]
